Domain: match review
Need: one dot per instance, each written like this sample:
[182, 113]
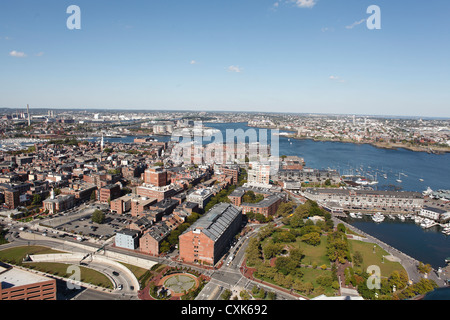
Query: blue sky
[239, 55]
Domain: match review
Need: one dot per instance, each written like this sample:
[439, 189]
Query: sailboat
[399, 180]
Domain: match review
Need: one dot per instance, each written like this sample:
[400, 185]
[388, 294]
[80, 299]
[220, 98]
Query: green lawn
[314, 254]
[371, 258]
[16, 255]
[60, 269]
[310, 275]
[137, 271]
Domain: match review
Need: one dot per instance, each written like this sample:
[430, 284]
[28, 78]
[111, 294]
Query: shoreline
[377, 145]
[409, 263]
[380, 145]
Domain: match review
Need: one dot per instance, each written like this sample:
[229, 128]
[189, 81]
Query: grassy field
[314, 254]
[16, 255]
[137, 271]
[60, 269]
[371, 258]
[310, 275]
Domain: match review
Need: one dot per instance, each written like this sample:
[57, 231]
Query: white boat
[399, 180]
[365, 182]
[402, 217]
[418, 219]
[378, 217]
[356, 215]
[427, 192]
[427, 223]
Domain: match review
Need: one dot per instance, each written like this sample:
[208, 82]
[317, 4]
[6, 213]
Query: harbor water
[416, 170]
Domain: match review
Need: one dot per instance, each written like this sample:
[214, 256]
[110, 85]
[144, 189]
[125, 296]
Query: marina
[384, 166]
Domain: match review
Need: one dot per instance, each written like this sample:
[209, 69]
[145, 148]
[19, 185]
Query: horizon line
[228, 111]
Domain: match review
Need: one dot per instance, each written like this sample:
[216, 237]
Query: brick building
[17, 284]
[206, 240]
[81, 191]
[59, 203]
[109, 192]
[12, 198]
[121, 205]
[141, 204]
[160, 193]
[151, 239]
[155, 176]
[267, 207]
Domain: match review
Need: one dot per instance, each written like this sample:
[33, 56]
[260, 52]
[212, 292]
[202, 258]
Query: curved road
[115, 274]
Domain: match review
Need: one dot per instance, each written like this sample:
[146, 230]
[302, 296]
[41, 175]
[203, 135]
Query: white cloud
[236, 69]
[193, 62]
[40, 54]
[336, 78]
[354, 24]
[326, 29]
[17, 54]
[304, 3]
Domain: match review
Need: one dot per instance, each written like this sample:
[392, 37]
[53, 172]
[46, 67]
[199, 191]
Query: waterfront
[426, 245]
[429, 246]
[348, 157]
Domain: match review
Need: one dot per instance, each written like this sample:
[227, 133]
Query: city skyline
[314, 57]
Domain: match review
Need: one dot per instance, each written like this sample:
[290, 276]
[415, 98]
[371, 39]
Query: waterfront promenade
[410, 264]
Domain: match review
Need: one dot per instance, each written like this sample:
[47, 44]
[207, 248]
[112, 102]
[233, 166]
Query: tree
[93, 195]
[37, 199]
[358, 258]
[245, 295]
[98, 216]
[260, 218]
[398, 280]
[286, 265]
[272, 249]
[341, 228]
[312, 238]
[424, 268]
[285, 208]
[296, 221]
[226, 295]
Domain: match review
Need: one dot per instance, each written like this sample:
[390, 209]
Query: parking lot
[78, 221]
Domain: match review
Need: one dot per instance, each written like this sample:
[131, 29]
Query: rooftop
[263, 203]
[15, 277]
[216, 221]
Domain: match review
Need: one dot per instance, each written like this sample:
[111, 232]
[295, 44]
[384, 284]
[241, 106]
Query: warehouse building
[208, 238]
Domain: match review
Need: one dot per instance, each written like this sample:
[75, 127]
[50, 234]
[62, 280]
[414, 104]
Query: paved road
[230, 277]
[116, 275]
